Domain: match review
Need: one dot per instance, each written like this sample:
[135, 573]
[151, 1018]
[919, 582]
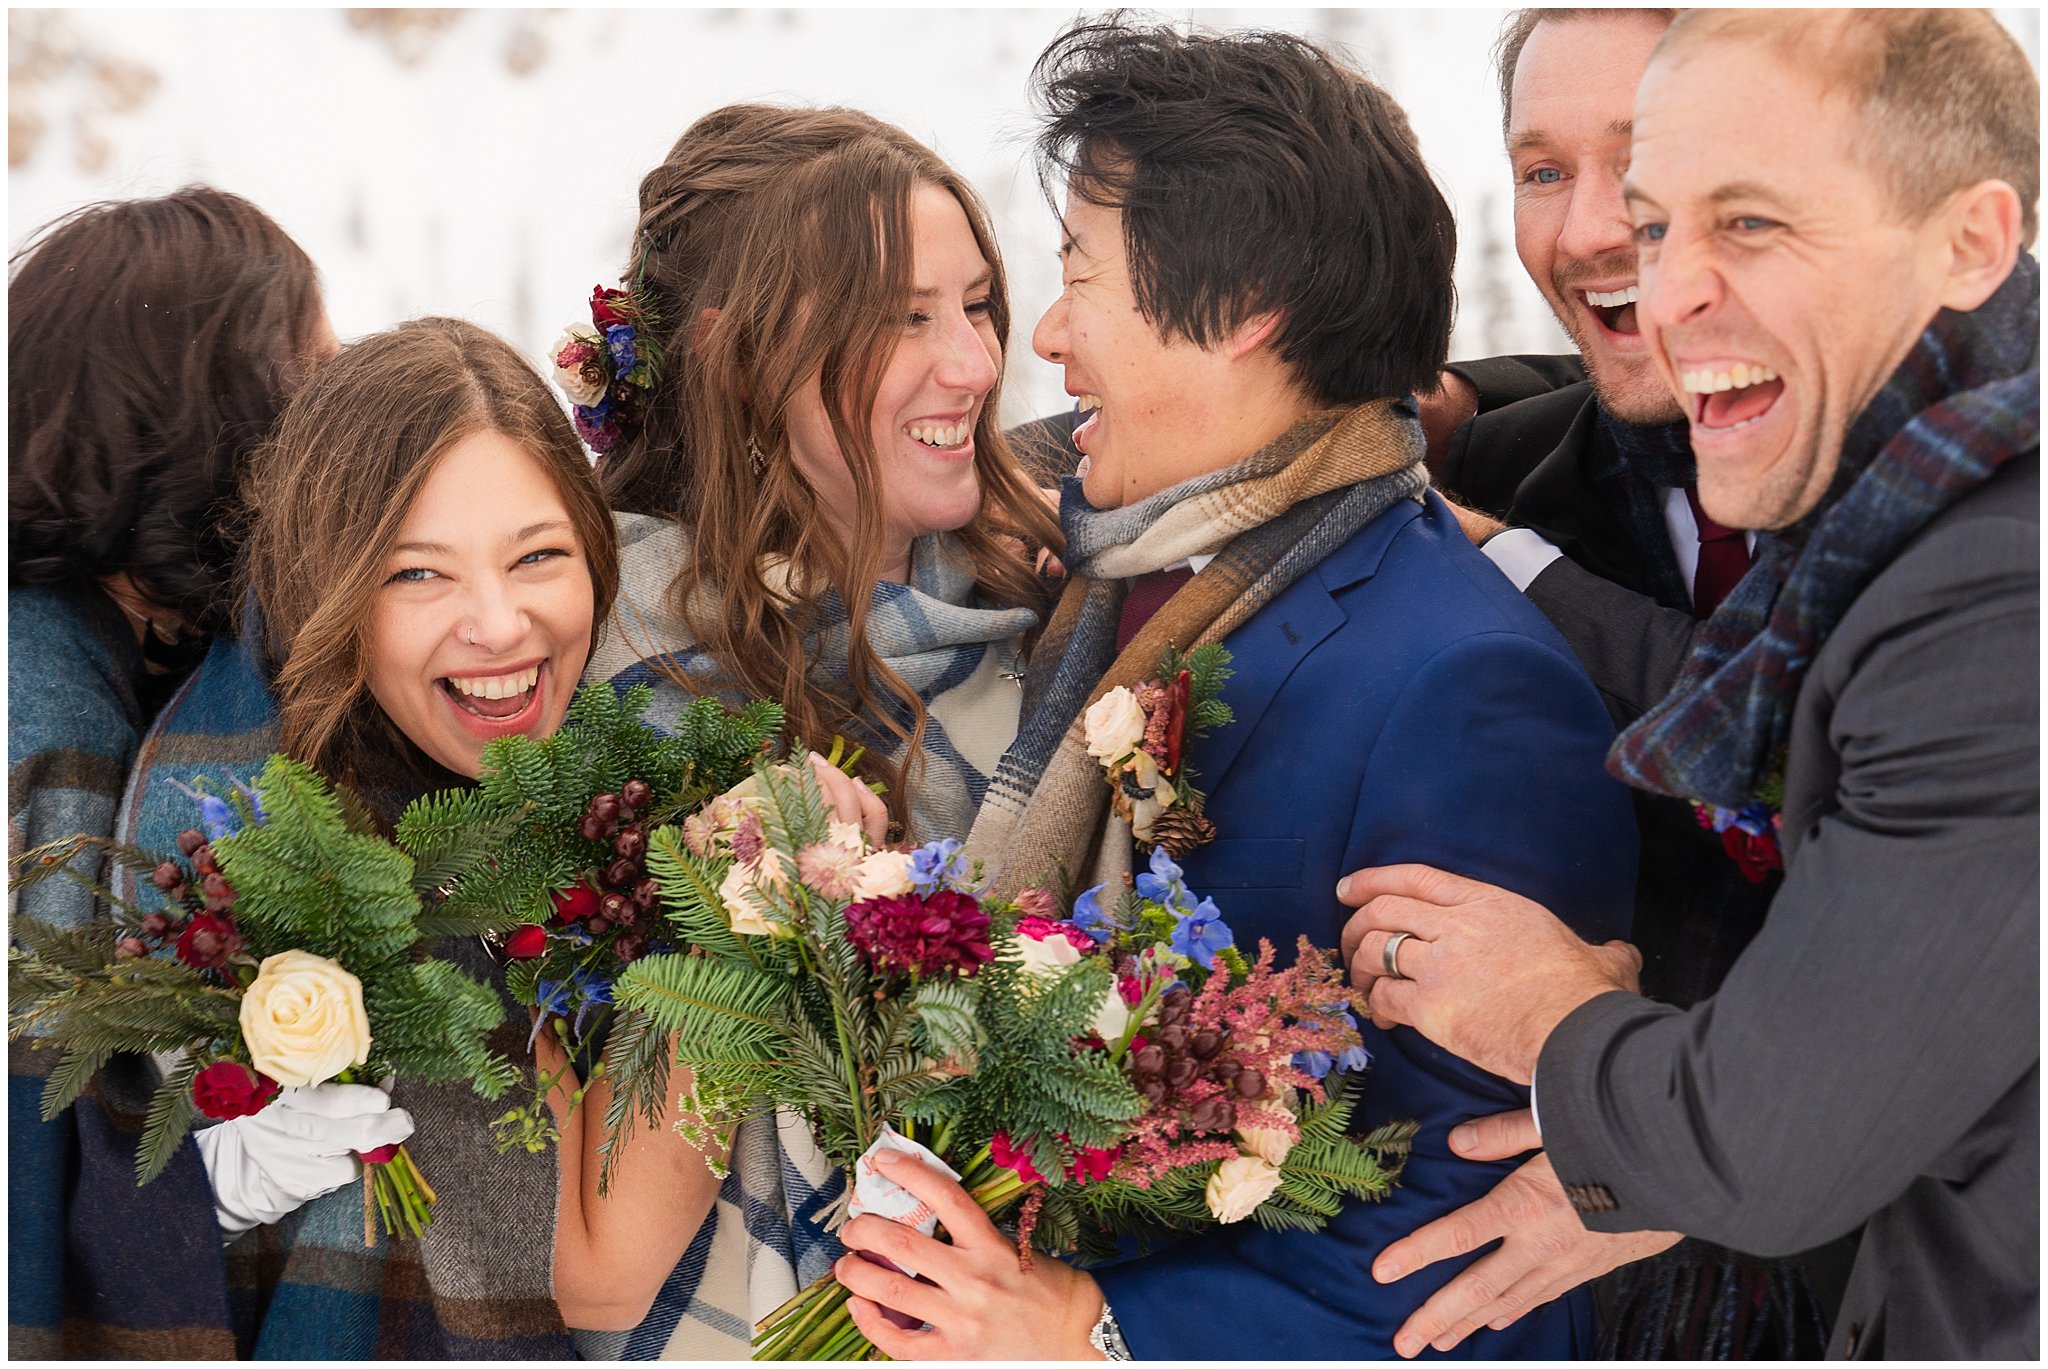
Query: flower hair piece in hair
[608, 370]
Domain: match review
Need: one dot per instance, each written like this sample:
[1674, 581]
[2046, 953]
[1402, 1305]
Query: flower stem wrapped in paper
[287, 950]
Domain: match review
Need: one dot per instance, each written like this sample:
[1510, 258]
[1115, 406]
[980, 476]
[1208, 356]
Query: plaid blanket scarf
[1268, 520]
[476, 1287]
[762, 1241]
[1966, 399]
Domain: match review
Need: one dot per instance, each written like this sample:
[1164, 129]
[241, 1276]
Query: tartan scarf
[957, 652]
[1268, 520]
[1966, 399]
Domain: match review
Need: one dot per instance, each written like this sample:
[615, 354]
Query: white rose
[885, 874]
[1114, 725]
[570, 378]
[1048, 958]
[1113, 1018]
[303, 1019]
[1238, 1186]
[1268, 1143]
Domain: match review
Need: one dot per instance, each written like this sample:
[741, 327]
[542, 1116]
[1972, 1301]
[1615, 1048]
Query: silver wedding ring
[1387, 952]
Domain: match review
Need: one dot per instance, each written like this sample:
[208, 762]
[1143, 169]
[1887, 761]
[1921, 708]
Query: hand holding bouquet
[287, 952]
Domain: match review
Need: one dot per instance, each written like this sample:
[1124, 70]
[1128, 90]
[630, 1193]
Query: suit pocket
[1248, 863]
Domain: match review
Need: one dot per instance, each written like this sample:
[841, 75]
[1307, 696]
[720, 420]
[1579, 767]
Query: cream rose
[885, 874]
[1270, 1144]
[1114, 725]
[1048, 958]
[571, 378]
[303, 1019]
[1239, 1185]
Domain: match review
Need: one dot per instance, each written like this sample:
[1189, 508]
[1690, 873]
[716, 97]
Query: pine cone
[1178, 831]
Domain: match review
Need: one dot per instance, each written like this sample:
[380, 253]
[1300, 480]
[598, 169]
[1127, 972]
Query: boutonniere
[1140, 735]
[1749, 834]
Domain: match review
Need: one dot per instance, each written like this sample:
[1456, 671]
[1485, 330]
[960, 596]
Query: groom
[1257, 273]
[1868, 696]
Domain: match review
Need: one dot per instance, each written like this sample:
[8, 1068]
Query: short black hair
[1255, 174]
[150, 345]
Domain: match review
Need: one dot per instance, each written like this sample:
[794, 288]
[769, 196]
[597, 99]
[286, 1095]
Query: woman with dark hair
[829, 516]
[427, 559]
[151, 344]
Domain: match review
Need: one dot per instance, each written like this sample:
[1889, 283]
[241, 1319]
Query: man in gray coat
[1849, 321]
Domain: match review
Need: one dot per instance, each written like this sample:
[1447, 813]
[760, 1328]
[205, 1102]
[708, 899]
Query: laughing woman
[830, 517]
[427, 557]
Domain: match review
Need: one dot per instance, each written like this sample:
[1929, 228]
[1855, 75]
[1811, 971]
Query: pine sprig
[637, 1060]
[171, 1114]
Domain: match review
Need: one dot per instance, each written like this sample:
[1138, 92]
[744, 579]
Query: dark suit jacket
[1398, 703]
[1875, 1054]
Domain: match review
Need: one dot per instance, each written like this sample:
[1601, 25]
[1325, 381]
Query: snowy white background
[485, 163]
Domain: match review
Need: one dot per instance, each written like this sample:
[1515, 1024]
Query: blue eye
[1546, 175]
[1750, 223]
[411, 575]
[534, 558]
[1651, 232]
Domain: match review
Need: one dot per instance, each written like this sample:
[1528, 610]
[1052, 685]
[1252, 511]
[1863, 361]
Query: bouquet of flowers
[287, 950]
[1096, 1076]
[567, 893]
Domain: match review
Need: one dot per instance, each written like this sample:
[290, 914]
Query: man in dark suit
[1867, 698]
[1257, 277]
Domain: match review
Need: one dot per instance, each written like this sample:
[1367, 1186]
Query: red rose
[226, 1089]
[207, 941]
[1755, 856]
[574, 903]
[528, 943]
[604, 307]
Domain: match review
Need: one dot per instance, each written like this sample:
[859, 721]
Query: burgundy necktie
[1149, 593]
[1724, 559]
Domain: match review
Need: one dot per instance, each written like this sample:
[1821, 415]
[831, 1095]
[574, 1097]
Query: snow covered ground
[485, 163]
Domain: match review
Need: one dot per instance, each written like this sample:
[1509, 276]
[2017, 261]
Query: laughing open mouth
[1615, 309]
[1731, 397]
[494, 698]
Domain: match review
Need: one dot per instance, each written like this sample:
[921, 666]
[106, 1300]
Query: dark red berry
[616, 907]
[167, 876]
[592, 828]
[646, 894]
[1154, 1091]
[1174, 1037]
[1251, 1084]
[604, 807]
[190, 840]
[623, 873]
[636, 793]
[202, 861]
[1225, 1072]
[629, 946]
[1182, 1071]
[599, 925]
[130, 948]
[218, 889]
[1204, 1044]
[156, 925]
[625, 815]
[630, 841]
[1213, 1114]
[1149, 1061]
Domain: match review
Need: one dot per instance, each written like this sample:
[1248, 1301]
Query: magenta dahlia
[944, 932]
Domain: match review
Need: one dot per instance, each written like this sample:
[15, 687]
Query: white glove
[268, 1165]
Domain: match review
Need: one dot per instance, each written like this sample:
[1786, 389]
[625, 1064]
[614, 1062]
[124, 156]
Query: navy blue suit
[1401, 702]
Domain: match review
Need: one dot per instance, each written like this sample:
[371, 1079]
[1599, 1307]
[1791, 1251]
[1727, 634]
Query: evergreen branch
[171, 1114]
[73, 1073]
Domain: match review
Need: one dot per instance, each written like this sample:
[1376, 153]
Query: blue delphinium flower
[1353, 1057]
[937, 865]
[255, 802]
[1315, 1064]
[1200, 934]
[594, 993]
[216, 819]
[620, 340]
[1089, 917]
[1165, 885]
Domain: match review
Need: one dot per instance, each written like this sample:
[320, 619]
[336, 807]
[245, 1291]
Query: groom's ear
[1251, 334]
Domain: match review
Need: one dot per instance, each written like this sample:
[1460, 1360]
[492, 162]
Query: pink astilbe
[748, 840]
[1265, 1021]
[1152, 697]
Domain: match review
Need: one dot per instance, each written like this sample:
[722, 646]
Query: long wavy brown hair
[775, 245]
[329, 491]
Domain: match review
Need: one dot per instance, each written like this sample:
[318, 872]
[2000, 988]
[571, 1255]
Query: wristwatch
[1106, 1338]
